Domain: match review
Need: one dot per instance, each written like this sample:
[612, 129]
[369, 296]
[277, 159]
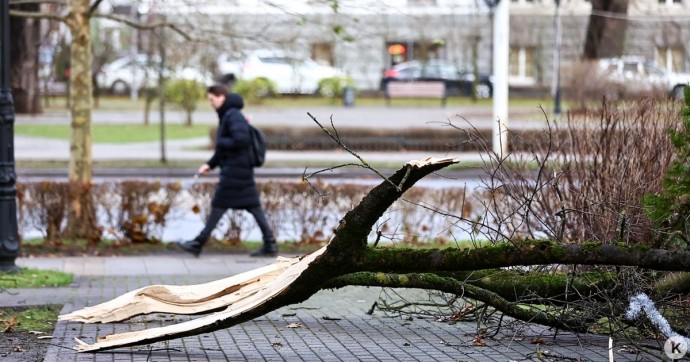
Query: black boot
[268, 249]
[192, 246]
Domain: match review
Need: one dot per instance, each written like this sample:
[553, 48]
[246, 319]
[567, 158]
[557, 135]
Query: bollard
[348, 96]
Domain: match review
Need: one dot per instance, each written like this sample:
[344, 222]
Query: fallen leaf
[537, 341]
[478, 342]
[276, 344]
[10, 324]
[35, 332]
[294, 325]
[44, 337]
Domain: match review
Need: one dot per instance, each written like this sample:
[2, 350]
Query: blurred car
[457, 82]
[636, 75]
[290, 74]
[122, 74]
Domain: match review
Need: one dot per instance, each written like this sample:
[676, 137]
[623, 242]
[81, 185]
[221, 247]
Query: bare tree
[77, 16]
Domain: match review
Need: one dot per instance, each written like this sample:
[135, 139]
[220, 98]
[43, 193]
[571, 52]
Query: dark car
[458, 83]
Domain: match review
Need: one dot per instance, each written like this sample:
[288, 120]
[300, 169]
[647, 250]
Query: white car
[124, 73]
[291, 75]
[634, 75]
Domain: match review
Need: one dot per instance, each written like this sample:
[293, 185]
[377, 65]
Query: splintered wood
[246, 291]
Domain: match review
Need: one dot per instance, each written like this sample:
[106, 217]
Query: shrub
[137, 211]
[670, 209]
[185, 93]
[334, 87]
[586, 183]
[255, 90]
[46, 207]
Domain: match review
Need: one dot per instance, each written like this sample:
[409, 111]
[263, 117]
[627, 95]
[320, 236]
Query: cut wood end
[432, 161]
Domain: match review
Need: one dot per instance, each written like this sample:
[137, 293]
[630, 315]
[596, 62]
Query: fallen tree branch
[434, 282]
[534, 252]
[299, 281]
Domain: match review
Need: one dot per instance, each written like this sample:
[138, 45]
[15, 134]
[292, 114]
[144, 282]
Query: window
[670, 2]
[670, 58]
[322, 53]
[522, 66]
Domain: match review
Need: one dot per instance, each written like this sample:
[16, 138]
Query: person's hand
[203, 169]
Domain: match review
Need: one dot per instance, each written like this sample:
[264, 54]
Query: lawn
[115, 133]
[34, 278]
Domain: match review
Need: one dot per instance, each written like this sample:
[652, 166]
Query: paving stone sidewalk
[333, 325]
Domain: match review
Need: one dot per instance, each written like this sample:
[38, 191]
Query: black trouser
[218, 212]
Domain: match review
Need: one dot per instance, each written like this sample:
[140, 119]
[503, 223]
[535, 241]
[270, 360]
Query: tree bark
[605, 37]
[81, 218]
[24, 61]
[538, 252]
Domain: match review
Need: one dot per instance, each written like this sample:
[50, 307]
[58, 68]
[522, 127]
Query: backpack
[257, 147]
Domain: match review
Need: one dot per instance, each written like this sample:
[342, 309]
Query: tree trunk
[81, 217]
[188, 122]
[25, 33]
[605, 37]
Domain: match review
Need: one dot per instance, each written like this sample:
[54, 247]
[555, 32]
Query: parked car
[457, 82]
[126, 72]
[635, 75]
[290, 74]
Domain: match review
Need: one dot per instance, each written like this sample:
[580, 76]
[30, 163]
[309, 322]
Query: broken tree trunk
[186, 299]
[297, 283]
[258, 292]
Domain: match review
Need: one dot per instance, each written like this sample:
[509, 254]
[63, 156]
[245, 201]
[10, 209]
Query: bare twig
[140, 26]
[364, 163]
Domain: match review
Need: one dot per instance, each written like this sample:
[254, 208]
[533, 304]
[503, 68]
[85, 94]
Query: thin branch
[93, 7]
[37, 15]
[364, 163]
[140, 26]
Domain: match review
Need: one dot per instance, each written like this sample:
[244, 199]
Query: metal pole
[9, 239]
[501, 49]
[161, 90]
[557, 64]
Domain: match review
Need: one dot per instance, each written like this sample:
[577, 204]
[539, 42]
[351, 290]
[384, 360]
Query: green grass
[114, 133]
[34, 278]
[35, 319]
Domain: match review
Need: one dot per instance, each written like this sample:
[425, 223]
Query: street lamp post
[557, 63]
[9, 239]
[501, 50]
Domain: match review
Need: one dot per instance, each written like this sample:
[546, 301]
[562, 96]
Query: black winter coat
[236, 189]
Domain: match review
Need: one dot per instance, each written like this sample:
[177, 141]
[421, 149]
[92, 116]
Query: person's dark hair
[217, 90]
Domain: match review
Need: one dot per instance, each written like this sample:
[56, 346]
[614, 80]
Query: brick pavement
[333, 324]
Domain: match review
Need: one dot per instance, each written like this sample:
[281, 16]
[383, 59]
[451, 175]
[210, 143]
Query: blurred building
[363, 37]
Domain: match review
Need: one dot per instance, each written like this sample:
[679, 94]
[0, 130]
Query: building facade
[363, 37]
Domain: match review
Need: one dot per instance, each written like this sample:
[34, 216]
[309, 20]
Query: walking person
[236, 188]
